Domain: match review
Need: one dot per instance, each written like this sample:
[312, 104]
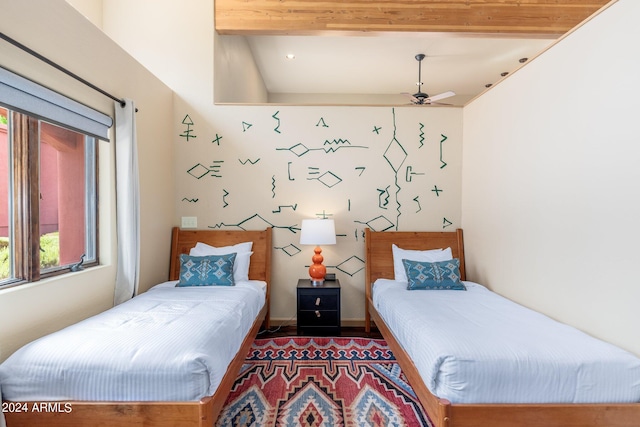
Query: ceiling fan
[421, 98]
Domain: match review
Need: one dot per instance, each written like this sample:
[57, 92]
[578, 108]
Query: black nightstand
[318, 308]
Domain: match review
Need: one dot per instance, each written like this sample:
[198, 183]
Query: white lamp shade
[318, 232]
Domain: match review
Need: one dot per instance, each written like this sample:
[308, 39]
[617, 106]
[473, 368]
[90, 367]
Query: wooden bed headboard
[260, 266]
[379, 257]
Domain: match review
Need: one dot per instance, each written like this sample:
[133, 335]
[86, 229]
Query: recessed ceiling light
[290, 56]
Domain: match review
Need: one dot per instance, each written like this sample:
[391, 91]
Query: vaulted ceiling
[368, 47]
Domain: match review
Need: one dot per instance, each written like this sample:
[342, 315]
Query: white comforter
[167, 344]
[475, 346]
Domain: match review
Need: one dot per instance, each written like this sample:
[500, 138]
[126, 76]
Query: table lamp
[317, 232]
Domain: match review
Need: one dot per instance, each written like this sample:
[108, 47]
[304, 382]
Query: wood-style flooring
[288, 331]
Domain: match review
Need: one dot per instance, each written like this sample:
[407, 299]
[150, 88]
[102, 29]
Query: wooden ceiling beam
[527, 18]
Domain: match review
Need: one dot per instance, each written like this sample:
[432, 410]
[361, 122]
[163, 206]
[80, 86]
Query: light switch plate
[189, 222]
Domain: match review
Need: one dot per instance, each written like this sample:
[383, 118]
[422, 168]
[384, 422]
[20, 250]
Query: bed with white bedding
[166, 357]
[475, 358]
[169, 343]
[491, 350]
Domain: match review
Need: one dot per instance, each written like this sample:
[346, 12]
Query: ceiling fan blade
[440, 96]
[413, 98]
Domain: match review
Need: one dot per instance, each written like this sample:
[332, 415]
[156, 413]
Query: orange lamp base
[317, 271]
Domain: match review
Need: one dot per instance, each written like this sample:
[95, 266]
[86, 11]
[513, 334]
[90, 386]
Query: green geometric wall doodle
[273, 187]
[383, 197]
[328, 178]
[279, 210]
[254, 222]
[300, 149]
[290, 249]
[408, 176]
[444, 138]
[379, 223]
[187, 133]
[289, 171]
[198, 170]
[275, 116]
[253, 162]
[351, 265]
[396, 155]
[224, 198]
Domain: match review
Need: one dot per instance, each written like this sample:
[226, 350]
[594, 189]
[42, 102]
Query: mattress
[167, 344]
[475, 346]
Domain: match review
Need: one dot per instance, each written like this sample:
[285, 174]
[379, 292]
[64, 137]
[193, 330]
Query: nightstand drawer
[318, 301]
[318, 318]
[318, 310]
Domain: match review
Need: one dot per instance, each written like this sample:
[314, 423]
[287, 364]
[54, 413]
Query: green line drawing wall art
[415, 199]
[322, 123]
[279, 210]
[379, 223]
[199, 170]
[396, 155]
[277, 128]
[252, 162]
[328, 178]
[444, 164]
[254, 222]
[225, 193]
[187, 132]
[216, 140]
[328, 147]
[381, 168]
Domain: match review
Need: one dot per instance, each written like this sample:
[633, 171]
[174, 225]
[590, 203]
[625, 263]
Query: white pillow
[241, 263]
[433, 255]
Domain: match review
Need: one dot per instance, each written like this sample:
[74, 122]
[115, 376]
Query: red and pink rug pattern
[321, 382]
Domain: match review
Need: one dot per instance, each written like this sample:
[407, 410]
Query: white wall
[550, 202]
[56, 30]
[236, 75]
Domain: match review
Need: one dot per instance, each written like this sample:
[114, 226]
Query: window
[48, 188]
[49, 198]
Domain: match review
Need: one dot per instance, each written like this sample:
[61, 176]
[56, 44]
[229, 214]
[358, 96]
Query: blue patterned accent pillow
[433, 275]
[211, 270]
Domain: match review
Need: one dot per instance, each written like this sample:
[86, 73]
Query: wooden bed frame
[165, 414]
[379, 264]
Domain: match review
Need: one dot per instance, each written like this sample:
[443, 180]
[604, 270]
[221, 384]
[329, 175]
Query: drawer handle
[317, 314]
[317, 301]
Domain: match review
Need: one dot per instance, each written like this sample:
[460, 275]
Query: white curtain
[127, 203]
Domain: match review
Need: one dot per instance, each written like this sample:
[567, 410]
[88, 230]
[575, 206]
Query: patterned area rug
[321, 382]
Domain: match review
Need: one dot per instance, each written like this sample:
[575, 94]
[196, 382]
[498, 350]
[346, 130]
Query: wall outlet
[189, 222]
